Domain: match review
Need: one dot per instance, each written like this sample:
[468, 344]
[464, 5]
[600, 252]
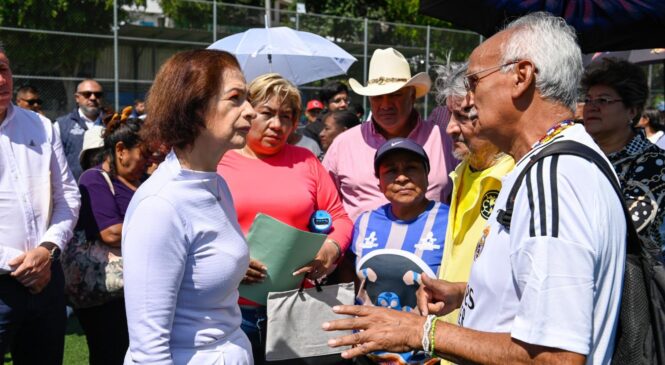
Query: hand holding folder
[283, 250]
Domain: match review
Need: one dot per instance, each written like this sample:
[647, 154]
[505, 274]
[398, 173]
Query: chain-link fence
[125, 61]
[126, 57]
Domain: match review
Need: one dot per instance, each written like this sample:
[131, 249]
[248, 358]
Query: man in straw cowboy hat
[392, 92]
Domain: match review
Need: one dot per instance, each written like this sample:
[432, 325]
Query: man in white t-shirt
[548, 288]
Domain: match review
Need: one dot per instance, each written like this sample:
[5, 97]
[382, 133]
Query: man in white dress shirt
[39, 204]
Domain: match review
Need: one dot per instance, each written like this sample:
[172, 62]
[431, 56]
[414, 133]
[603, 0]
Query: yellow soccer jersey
[472, 202]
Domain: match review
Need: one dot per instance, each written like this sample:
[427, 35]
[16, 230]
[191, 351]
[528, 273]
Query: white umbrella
[300, 57]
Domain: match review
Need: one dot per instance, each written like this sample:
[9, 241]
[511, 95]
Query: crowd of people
[417, 206]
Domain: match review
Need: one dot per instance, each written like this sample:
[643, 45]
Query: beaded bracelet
[432, 340]
[426, 329]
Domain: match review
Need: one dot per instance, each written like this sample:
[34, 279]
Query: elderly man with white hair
[547, 287]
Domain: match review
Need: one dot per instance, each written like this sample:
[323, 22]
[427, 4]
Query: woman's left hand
[324, 262]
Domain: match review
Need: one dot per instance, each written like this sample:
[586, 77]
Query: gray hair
[551, 44]
[449, 82]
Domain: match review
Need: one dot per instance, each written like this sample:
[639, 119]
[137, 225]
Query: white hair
[551, 44]
[449, 82]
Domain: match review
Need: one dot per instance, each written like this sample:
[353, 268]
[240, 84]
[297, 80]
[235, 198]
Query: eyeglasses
[600, 102]
[88, 94]
[471, 80]
[32, 102]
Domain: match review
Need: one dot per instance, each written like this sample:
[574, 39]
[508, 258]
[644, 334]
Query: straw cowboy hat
[389, 71]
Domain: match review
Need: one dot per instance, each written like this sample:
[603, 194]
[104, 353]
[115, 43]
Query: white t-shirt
[555, 279]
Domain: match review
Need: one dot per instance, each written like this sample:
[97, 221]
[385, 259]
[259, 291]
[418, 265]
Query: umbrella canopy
[602, 25]
[637, 56]
[300, 57]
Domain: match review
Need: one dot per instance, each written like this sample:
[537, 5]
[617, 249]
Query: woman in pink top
[283, 181]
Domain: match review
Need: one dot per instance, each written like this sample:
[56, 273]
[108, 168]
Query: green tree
[193, 14]
[42, 54]
[380, 13]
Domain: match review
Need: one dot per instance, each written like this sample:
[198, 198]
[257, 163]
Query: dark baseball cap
[396, 144]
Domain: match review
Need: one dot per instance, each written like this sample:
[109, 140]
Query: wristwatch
[53, 249]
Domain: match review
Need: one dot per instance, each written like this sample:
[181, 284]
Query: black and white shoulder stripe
[543, 198]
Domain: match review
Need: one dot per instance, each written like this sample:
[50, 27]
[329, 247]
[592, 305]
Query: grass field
[76, 349]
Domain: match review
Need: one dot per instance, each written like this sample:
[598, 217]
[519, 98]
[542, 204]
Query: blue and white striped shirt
[423, 236]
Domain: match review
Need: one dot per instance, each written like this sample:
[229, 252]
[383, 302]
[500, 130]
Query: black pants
[32, 326]
[105, 328]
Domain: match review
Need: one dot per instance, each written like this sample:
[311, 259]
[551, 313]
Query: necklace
[247, 154]
[553, 132]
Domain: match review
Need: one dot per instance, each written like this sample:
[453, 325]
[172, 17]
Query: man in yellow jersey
[476, 180]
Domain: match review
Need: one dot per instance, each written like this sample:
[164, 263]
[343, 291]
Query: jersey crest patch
[481, 243]
[487, 204]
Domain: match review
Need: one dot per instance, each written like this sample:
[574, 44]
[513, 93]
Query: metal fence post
[365, 35]
[214, 21]
[427, 69]
[268, 15]
[116, 68]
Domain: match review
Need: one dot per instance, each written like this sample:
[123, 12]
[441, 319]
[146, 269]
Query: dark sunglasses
[32, 102]
[88, 94]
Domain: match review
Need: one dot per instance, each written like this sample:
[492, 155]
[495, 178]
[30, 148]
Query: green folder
[282, 249]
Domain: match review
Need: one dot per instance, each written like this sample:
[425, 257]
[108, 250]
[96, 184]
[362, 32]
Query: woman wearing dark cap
[393, 244]
[616, 92]
[106, 190]
[184, 252]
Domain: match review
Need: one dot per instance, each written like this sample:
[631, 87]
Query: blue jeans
[32, 326]
[254, 326]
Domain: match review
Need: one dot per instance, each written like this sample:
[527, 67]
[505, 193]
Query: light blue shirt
[184, 256]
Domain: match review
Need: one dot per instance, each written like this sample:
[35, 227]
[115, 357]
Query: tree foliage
[45, 54]
[383, 14]
[398, 11]
[56, 52]
[193, 14]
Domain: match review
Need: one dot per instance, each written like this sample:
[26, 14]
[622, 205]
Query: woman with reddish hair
[184, 251]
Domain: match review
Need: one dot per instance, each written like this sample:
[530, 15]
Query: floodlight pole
[427, 68]
[116, 68]
[365, 25]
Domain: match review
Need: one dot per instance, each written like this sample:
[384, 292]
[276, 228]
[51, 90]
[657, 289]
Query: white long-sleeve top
[39, 199]
[184, 256]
